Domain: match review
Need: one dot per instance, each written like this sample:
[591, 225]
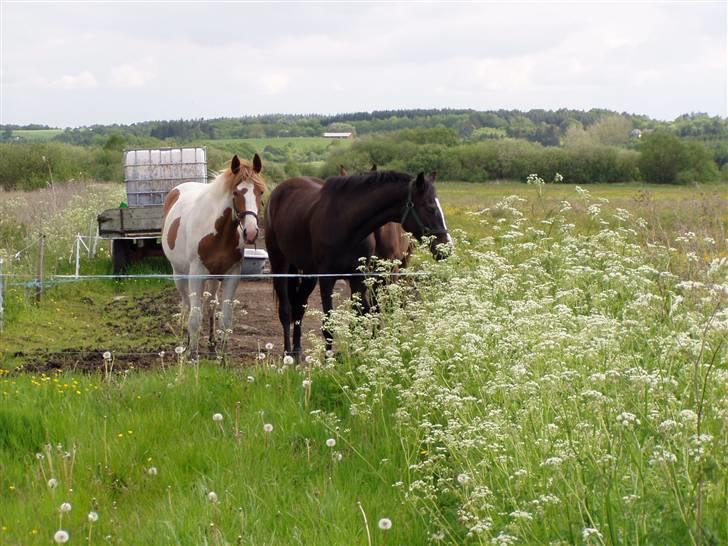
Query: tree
[667, 159]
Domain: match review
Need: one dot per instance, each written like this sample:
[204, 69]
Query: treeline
[591, 146]
[660, 157]
[547, 127]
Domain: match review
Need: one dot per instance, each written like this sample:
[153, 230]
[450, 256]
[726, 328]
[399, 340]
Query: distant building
[338, 135]
[635, 133]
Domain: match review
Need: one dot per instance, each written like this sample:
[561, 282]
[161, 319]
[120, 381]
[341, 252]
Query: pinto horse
[204, 230]
[312, 227]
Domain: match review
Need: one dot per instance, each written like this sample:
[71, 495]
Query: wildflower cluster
[540, 369]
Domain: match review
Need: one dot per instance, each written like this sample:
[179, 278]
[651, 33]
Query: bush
[666, 159]
[26, 166]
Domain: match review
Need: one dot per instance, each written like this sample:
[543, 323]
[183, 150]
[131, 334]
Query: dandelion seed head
[93, 517]
[107, 355]
[179, 349]
[306, 383]
[385, 524]
[269, 346]
[331, 442]
[212, 497]
[61, 536]
[52, 483]
[217, 417]
[65, 507]
[463, 478]
[268, 428]
[288, 360]
[152, 470]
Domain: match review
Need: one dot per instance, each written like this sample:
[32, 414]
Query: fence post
[39, 276]
[2, 308]
[78, 253]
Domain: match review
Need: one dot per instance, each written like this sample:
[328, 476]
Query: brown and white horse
[204, 231]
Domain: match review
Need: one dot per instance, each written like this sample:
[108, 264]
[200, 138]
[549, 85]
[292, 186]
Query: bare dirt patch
[145, 325]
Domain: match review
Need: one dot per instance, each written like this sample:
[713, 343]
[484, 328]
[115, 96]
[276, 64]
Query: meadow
[561, 379]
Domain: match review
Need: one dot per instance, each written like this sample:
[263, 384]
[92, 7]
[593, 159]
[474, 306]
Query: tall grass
[553, 386]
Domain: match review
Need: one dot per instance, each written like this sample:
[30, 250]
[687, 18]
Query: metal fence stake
[39, 279]
[2, 308]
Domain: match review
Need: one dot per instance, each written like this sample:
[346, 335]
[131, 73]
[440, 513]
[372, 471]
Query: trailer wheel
[120, 250]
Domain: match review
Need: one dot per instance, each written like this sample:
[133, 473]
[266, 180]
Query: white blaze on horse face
[442, 215]
[249, 225]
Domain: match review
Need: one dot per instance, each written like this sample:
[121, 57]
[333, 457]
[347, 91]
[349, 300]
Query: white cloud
[274, 82]
[82, 80]
[202, 61]
[133, 74]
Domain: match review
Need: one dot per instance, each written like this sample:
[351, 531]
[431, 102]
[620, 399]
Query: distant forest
[547, 127]
[580, 146]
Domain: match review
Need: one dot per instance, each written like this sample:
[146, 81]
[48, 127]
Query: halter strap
[409, 208]
[240, 216]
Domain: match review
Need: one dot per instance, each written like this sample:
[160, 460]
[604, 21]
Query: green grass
[86, 317]
[277, 488]
[37, 135]
[550, 379]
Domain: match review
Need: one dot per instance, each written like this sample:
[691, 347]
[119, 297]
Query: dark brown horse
[316, 228]
[391, 241]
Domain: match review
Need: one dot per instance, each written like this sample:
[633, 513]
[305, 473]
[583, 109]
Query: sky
[70, 64]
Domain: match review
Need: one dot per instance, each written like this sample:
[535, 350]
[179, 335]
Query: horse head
[423, 216]
[247, 194]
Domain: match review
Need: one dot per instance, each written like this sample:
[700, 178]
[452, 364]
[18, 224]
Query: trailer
[135, 227]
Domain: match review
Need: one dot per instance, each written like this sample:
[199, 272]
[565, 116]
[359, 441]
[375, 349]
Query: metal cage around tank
[149, 174]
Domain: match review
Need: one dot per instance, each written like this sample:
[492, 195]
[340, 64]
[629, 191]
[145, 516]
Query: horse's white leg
[214, 287]
[195, 321]
[229, 286]
[182, 287]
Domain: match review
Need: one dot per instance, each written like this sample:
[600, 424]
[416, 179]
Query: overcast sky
[72, 64]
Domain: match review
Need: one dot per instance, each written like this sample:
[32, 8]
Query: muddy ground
[149, 325]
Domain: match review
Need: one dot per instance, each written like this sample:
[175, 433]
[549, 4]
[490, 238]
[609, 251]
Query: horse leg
[212, 310]
[195, 321]
[229, 286]
[298, 308]
[326, 286]
[279, 265]
[357, 286]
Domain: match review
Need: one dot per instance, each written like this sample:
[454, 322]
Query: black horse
[312, 227]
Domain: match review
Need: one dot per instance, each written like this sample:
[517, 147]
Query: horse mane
[357, 181]
[229, 181]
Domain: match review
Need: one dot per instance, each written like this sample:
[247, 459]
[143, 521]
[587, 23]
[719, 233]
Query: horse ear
[374, 167]
[235, 164]
[257, 163]
[420, 182]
